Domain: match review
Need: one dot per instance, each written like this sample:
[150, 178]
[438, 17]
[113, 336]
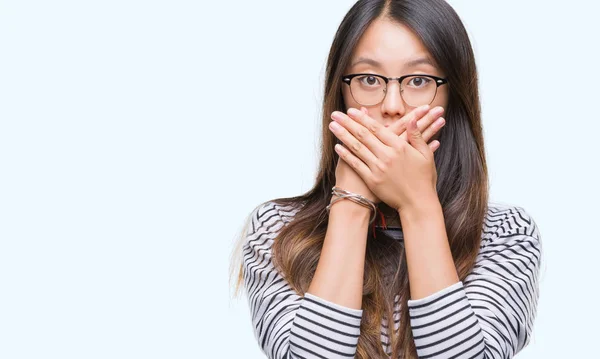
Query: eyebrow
[411, 63]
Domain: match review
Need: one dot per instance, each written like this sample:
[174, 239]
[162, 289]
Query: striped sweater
[490, 314]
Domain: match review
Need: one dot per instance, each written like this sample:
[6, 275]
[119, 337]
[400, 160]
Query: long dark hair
[462, 184]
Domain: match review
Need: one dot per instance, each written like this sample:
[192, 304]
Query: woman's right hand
[347, 178]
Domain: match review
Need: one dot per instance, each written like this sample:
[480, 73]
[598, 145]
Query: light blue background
[135, 137]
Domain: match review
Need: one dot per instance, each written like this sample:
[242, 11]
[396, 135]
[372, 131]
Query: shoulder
[508, 219]
[263, 225]
[270, 216]
[265, 222]
[509, 226]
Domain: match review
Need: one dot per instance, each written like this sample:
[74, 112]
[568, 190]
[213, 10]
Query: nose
[392, 106]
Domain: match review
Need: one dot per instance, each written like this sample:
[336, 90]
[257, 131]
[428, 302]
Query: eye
[370, 81]
[419, 82]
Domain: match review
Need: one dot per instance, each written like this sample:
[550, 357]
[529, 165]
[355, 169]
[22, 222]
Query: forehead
[390, 43]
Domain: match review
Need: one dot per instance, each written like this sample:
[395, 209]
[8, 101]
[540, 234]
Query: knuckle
[362, 133]
[376, 180]
[386, 160]
[356, 146]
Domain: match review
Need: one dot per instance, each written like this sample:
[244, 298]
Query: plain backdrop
[136, 136]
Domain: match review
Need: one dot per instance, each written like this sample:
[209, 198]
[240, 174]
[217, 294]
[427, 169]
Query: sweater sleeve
[491, 313]
[287, 325]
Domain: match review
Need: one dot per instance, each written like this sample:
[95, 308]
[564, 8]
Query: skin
[387, 159]
[392, 45]
[388, 48]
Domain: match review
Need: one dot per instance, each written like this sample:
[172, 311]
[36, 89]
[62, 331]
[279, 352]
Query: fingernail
[336, 115]
[354, 112]
[334, 125]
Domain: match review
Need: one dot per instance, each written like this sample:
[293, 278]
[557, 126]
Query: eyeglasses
[415, 89]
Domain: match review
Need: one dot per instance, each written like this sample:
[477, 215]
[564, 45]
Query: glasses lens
[368, 89]
[418, 90]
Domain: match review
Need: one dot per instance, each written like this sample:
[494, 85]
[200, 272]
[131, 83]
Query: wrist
[350, 212]
[425, 209]
[363, 191]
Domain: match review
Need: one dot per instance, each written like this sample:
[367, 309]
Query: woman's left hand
[399, 172]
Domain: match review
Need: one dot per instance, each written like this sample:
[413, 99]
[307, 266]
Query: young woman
[395, 251]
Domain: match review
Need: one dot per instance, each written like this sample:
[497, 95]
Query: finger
[426, 120]
[375, 129]
[434, 145]
[399, 126]
[415, 138]
[364, 133]
[353, 144]
[359, 166]
[374, 133]
[433, 129]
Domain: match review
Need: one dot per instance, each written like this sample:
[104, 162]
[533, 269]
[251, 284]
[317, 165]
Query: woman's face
[391, 49]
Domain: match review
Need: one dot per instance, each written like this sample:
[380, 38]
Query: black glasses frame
[439, 81]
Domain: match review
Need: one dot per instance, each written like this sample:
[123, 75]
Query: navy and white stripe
[489, 315]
